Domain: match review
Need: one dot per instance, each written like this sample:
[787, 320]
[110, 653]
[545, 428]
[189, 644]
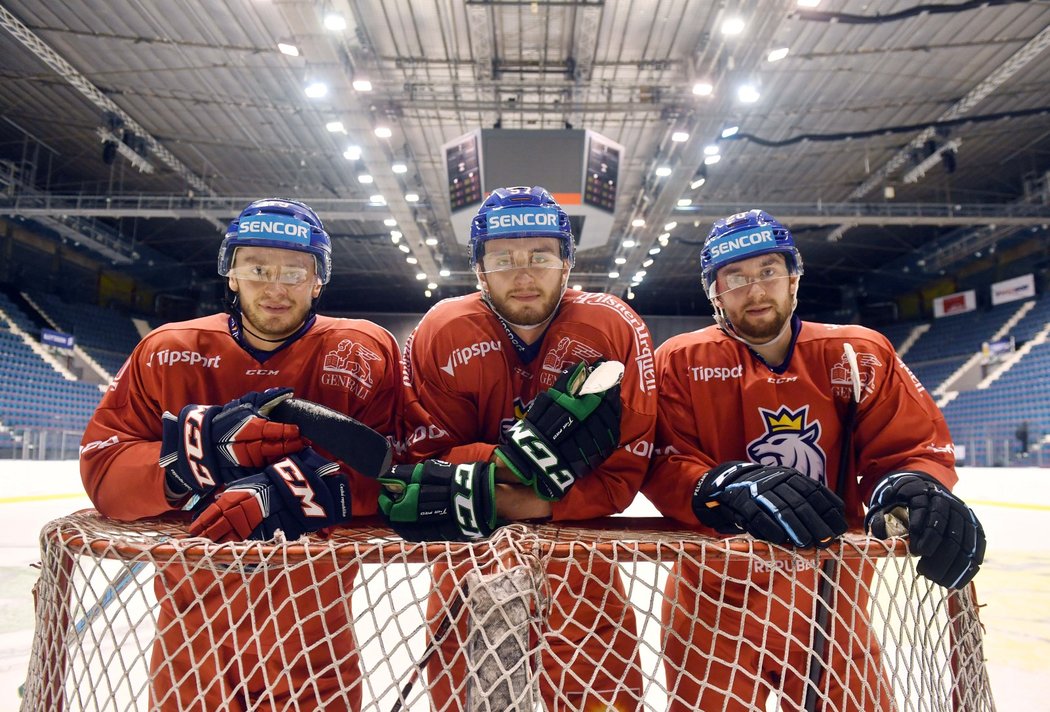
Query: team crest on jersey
[348, 366]
[790, 440]
[842, 384]
[567, 352]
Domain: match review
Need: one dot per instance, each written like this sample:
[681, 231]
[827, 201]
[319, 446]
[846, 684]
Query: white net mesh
[615, 615]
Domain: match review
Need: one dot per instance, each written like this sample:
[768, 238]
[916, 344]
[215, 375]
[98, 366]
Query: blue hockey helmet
[520, 211]
[281, 223]
[745, 235]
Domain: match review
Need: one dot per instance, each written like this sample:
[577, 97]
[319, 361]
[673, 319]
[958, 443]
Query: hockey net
[617, 614]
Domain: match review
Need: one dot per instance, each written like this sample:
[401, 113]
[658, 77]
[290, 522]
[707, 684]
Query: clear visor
[278, 274]
[506, 260]
[765, 277]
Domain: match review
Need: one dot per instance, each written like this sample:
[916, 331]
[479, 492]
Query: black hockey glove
[438, 501]
[776, 504]
[563, 436]
[942, 530]
[206, 446]
[301, 493]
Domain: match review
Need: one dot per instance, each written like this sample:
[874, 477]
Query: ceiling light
[390, 222]
[426, 293]
[377, 199]
[663, 171]
[335, 22]
[639, 275]
[710, 150]
[445, 272]
[614, 275]
[775, 55]
[288, 49]
[404, 248]
[335, 127]
[411, 197]
[630, 294]
[648, 263]
[399, 168]
[362, 85]
[411, 260]
[629, 243]
[712, 160]
[365, 178]
[654, 251]
[664, 237]
[670, 226]
[578, 287]
[680, 136]
[316, 90]
[733, 26]
[620, 260]
[352, 153]
[730, 131]
[421, 275]
[638, 222]
[684, 202]
[431, 241]
[697, 183]
[395, 236]
[383, 132]
[747, 94]
[432, 285]
[808, 3]
[703, 89]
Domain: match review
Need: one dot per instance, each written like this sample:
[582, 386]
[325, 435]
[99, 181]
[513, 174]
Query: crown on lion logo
[783, 420]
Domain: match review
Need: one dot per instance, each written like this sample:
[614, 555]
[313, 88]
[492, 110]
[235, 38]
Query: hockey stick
[348, 440]
[829, 568]
[432, 646]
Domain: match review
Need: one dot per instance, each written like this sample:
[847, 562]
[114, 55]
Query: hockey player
[493, 375]
[193, 397]
[753, 415]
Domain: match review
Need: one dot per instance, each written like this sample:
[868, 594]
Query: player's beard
[273, 326]
[529, 314]
[764, 328]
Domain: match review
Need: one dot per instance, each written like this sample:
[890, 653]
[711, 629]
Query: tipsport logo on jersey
[790, 440]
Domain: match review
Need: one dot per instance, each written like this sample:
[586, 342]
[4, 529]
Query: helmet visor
[506, 260]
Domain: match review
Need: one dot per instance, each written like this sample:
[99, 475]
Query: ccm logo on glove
[300, 488]
[192, 444]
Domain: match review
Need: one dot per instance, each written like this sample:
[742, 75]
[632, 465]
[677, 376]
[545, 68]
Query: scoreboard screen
[601, 176]
[463, 159]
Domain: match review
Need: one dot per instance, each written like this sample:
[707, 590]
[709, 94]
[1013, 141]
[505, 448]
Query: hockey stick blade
[346, 439]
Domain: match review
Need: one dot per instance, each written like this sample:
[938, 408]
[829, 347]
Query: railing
[40, 444]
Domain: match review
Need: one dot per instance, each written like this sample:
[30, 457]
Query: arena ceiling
[896, 139]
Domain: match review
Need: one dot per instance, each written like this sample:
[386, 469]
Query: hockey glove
[776, 504]
[564, 435]
[206, 446]
[942, 530]
[301, 493]
[438, 501]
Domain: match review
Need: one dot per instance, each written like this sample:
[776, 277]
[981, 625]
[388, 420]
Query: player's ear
[317, 289]
[232, 283]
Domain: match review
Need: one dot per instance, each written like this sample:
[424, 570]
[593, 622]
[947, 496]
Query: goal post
[140, 616]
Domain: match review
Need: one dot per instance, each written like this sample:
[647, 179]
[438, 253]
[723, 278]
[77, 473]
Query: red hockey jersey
[350, 365]
[719, 402]
[470, 385]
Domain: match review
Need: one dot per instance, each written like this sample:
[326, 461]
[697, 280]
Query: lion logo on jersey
[790, 441]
